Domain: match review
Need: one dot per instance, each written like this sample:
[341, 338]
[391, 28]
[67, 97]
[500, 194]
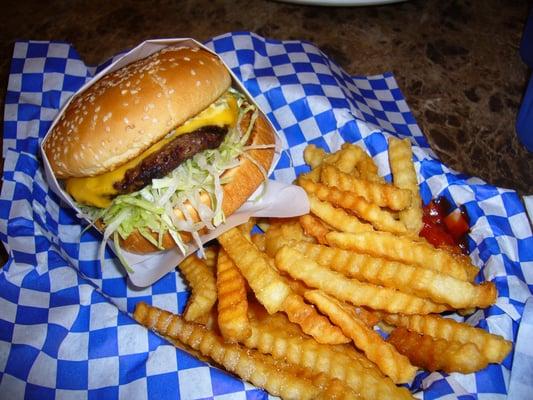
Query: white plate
[345, 3]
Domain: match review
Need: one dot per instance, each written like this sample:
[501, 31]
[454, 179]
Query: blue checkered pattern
[65, 325]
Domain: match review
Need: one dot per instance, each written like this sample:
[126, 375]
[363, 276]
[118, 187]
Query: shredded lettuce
[151, 210]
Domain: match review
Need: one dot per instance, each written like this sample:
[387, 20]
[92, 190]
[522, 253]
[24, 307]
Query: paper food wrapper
[269, 200]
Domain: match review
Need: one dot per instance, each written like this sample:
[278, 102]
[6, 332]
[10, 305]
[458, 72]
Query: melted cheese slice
[98, 190]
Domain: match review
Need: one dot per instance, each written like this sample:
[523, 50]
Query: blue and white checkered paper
[65, 329]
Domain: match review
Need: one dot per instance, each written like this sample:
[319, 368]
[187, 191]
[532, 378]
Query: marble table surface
[457, 62]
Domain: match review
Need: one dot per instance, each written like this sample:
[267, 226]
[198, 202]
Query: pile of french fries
[295, 309]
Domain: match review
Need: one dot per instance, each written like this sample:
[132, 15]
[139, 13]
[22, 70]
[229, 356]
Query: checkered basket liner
[65, 320]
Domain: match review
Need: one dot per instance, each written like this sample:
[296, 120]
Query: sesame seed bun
[130, 109]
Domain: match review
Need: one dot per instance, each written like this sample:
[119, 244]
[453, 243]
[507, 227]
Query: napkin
[65, 325]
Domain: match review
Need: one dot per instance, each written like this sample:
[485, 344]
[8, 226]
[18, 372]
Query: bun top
[127, 111]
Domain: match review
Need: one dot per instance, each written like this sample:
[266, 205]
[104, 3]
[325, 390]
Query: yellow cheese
[98, 190]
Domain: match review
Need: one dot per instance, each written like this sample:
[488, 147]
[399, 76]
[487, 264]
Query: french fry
[203, 288]
[314, 227]
[358, 293]
[232, 302]
[313, 156]
[361, 376]
[281, 233]
[211, 254]
[437, 354]
[365, 166]
[422, 282]
[381, 194]
[379, 218]
[279, 378]
[311, 321]
[404, 177]
[313, 175]
[402, 249]
[279, 320]
[246, 228]
[384, 355]
[494, 347]
[346, 159]
[336, 217]
[272, 290]
[259, 239]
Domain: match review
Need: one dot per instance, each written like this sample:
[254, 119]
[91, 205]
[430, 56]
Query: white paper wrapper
[271, 202]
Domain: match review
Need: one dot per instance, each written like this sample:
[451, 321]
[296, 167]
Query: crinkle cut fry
[404, 177]
[211, 254]
[279, 234]
[203, 286]
[407, 278]
[314, 227]
[402, 249]
[311, 322]
[363, 377]
[232, 300]
[279, 379]
[268, 286]
[494, 347]
[383, 354]
[379, 218]
[365, 165]
[437, 354]
[337, 217]
[358, 293]
[382, 194]
[273, 292]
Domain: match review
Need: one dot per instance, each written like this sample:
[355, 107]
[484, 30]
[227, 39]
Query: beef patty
[161, 163]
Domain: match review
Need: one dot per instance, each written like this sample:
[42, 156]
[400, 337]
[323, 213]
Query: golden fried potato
[269, 287]
[203, 288]
[356, 372]
[351, 290]
[314, 227]
[259, 239]
[365, 166]
[232, 301]
[337, 217]
[381, 194]
[273, 291]
[421, 282]
[384, 355]
[311, 322]
[494, 347]
[437, 354]
[404, 177]
[313, 156]
[278, 377]
[210, 257]
[402, 249]
[281, 233]
[379, 218]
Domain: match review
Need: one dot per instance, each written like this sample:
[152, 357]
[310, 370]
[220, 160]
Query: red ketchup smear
[443, 228]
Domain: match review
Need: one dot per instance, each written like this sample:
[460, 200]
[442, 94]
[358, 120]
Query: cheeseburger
[161, 150]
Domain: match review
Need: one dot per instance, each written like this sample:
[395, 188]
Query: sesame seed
[201, 62]
[123, 92]
[186, 58]
[193, 72]
[198, 83]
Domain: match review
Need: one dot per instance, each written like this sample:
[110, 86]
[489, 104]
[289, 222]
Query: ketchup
[443, 228]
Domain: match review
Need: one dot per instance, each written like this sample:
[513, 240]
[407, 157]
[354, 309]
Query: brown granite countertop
[457, 62]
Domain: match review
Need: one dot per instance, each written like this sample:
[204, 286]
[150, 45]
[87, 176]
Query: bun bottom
[245, 179]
